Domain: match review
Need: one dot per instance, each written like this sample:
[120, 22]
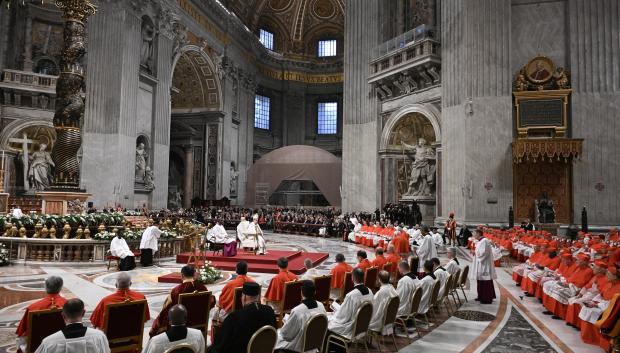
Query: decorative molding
[550, 149]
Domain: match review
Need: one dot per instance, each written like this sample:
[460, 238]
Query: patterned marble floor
[517, 325]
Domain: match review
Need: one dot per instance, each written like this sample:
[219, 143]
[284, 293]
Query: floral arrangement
[4, 255]
[105, 235]
[208, 274]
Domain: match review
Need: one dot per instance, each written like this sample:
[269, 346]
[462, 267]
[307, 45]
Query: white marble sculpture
[422, 178]
[40, 169]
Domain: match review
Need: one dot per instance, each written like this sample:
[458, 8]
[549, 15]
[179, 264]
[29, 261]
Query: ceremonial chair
[443, 296]
[263, 341]
[198, 305]
[314, 333]
[432, 301]
[215, 247]
[347, 286]
[181, 348]
[416, 298]
[291, 297]
[110, 258]
[123, 325]
[463, 280]
[454, 287]
[389, 318]
[360, 327]
[42, 323]
[370, 278]
[322, 286]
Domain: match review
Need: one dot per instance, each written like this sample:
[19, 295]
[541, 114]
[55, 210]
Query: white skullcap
[255, 216]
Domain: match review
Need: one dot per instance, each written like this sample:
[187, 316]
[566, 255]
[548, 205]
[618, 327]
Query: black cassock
[239, 326]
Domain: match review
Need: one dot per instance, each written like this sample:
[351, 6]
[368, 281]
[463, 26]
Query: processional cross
[25, 141]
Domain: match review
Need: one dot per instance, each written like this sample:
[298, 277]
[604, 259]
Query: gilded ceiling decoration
[297, 24]
[195, 83]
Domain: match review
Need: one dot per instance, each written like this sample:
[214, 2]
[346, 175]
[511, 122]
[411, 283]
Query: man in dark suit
[239, 326]
[464, 235]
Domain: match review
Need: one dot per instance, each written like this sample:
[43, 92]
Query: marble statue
[141, 162]
[234, 175]
[146, 50]
[422, 178]
[545, 209]
[40, 169]
[149, 179]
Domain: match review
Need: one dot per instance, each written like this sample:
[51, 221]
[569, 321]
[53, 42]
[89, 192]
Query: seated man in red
[53, 286]
[122, 294]
[392, 258]
[189, 285]
[338, 272]
[227, 296]
[379, 260]
[275, 292]
[362, 260]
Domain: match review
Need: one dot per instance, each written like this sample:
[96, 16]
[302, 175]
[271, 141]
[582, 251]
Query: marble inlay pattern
[472, 315]
[518, 336]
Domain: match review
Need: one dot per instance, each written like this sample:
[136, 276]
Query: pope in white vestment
[161, 343]
[380, 304]
[342, 320]
[290, 336]
[426, 251]
[94, 341]
[254, 237]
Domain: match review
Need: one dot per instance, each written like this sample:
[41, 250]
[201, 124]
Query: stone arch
[426, 110]
[206, 89]
[18, 125]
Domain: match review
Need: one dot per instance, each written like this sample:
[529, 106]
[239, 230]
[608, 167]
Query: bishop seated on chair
[122, 294]
[218, 235]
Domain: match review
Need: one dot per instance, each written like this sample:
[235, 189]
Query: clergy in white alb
[341, 322]
[483, 268]
[427, 249]
[453, 264]
[290, 336]
[441, 274]
[120, 249]
[357, 227]
[426, 284]
[148, 243]
[176, 334]
[310, 271]
[380, 304]
[405, 288]
[254, 237]
[241, 228]
[75, 337]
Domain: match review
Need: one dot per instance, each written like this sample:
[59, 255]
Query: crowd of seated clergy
[575, 281]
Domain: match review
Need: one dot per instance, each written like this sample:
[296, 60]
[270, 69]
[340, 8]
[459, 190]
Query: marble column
[188, 177]
[28, 44]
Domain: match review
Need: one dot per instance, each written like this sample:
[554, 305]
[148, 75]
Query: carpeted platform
[256, 263]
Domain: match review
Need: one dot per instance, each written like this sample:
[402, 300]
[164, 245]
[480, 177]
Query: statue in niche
[146, 50]
[422, 178]
[234, 176]
[149, 179]
[40, 169]
[141, 162]
[544, 209]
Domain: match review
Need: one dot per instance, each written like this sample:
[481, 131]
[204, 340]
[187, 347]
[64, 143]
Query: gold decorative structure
[533, 150]
[69, 103]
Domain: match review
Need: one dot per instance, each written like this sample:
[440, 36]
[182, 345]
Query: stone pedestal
[553, 228]
[57, 202]
[427, 207]
[4, 203]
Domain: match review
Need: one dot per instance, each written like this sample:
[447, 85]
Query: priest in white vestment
[341, 322]
[218, 235]
[441, 274]
[483, 268]
[427, 249]
[255, 238]
[176, 334]
[75, 337]
[290, 336]
[148, 243]
[120, 249]
[241, 228]
[380, 304]
[357, 227]
[453, 265]
[405, 288]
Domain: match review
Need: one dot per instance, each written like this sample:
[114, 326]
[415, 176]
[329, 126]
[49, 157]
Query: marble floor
[510, 324]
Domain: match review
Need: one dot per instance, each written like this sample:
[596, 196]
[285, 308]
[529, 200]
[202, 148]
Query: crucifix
[24, 141]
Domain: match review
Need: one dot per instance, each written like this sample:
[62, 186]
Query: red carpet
[256, 263]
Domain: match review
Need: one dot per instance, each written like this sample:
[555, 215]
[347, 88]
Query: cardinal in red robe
[379, 260]
[275, 292]
[362, 260]
[339, 271]
[122, 294]
[227, 296]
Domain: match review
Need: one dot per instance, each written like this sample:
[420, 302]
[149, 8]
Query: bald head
[177, 315]
[384, 277]
[123, 281]
[390, 249]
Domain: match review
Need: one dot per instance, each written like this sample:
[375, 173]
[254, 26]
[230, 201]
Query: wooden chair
[443, 296]
[124, 325]
[416, 298]
[455, 286]
[463, 280]
[370, 278]
[360, 327]
[42, 323]
[432, 301]
[314, 333]
[263, 340]
[181, 348]
[322, 286]
[347, 286]
[291, 297]
[389, 318]
[198, 305]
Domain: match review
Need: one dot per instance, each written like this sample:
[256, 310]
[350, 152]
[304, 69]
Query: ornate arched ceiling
[298, 24]
[195, 83]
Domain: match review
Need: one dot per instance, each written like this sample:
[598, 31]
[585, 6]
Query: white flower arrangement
[105, 235]
[208, 274]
